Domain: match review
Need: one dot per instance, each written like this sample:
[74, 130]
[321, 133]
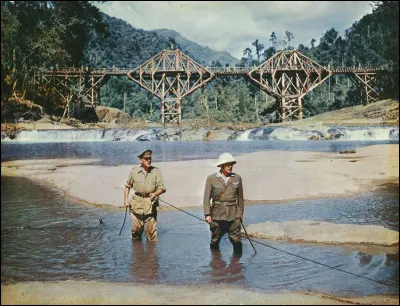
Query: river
[45, 236]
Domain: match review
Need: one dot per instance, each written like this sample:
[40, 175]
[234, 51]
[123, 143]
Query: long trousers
[146, 223]
[219, 228]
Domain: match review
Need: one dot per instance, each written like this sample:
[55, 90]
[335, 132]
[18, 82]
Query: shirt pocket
[216, 190]
[150, 184]
[234, 185]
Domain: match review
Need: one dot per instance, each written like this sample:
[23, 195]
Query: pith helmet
[225, 158]
[145, 153]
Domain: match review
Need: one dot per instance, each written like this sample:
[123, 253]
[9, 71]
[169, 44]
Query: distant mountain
[129, 47]
[125, 46]
[203, 55]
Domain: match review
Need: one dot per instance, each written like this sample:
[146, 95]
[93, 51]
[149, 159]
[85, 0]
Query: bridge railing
[347, 69]
[79, 70]
[228, 70]
[216, 70]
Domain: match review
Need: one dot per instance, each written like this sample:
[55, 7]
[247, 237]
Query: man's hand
[153, 196]
[156, 194]
[208, 219]
[126, 204]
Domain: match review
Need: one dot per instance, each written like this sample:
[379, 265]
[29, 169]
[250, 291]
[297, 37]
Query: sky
[233, 25]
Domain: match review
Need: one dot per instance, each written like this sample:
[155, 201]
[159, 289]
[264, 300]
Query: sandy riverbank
[268, 176]
[95, 293]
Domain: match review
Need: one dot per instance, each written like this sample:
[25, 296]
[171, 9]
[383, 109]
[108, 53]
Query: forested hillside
[124, 46]
[203, 55]
[43, 34]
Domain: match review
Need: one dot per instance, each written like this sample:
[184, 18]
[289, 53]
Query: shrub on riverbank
[17, 109]
[196, 124]
[9, 131]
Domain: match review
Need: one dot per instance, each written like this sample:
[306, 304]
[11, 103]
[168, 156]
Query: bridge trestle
[62, 87]
[367, 82]
[288, 76]
[170, 75]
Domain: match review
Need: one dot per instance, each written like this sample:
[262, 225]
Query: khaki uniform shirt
[143, 182]
[226, 206]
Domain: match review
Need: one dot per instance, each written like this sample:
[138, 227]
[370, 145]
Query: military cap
[145, 153]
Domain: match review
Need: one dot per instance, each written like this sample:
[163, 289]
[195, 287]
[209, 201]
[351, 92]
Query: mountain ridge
[204, 54]
[127, 46]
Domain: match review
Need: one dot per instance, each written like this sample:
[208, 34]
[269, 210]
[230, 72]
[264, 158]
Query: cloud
[232, 26]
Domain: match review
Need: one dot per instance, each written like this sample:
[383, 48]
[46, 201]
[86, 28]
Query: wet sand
[95, 293]
[268, 176]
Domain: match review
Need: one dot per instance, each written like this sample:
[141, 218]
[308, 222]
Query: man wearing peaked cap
[223, 203]
[147, 183]
[145, 153]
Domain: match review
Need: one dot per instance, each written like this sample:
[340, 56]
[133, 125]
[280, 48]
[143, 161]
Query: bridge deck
[214, 70]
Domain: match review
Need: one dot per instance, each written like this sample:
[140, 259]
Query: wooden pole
[124, 100]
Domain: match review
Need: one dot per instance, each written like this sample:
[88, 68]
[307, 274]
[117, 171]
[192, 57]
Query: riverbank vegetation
[52, 34]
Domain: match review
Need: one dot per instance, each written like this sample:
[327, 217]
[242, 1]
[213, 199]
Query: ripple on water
[66, 241]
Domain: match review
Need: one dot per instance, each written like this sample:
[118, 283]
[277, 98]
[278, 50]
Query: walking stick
[248, 236]
[126, 210]
[246, 231]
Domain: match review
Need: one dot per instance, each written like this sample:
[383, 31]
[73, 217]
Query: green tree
[259, 48]
[39, 34]
[273, 39]
[247, 58]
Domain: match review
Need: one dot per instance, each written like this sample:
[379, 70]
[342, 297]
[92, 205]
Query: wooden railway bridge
[171, 75]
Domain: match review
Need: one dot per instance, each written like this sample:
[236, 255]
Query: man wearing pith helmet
[147, 184]
[223, 203]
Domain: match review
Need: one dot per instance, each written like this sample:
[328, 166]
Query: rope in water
[295, 255]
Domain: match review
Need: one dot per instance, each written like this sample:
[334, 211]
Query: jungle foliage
[44, 34]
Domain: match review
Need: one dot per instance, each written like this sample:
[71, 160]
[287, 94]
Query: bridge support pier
[299, 103]
[93, 92]
[291, 108]
[171, 111]
[367, 83]
[283, 109]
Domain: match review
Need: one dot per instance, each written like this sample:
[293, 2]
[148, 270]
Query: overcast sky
[233, 25]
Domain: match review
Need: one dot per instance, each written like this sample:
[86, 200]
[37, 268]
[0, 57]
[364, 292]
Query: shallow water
[66, 241]
[115, 153]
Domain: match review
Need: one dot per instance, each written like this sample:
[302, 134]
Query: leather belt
[143, 195]
[224, 203]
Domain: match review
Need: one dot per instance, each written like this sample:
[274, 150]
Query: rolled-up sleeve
[129, 181]
[160, 182]
[207, 197]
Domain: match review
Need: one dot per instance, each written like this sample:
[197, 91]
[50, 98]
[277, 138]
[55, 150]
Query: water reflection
[66, 241]
[364, 259]
[145, 261]
[222, 272]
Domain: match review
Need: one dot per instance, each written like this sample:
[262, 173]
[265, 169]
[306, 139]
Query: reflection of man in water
[222, 272]
[145, 261]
